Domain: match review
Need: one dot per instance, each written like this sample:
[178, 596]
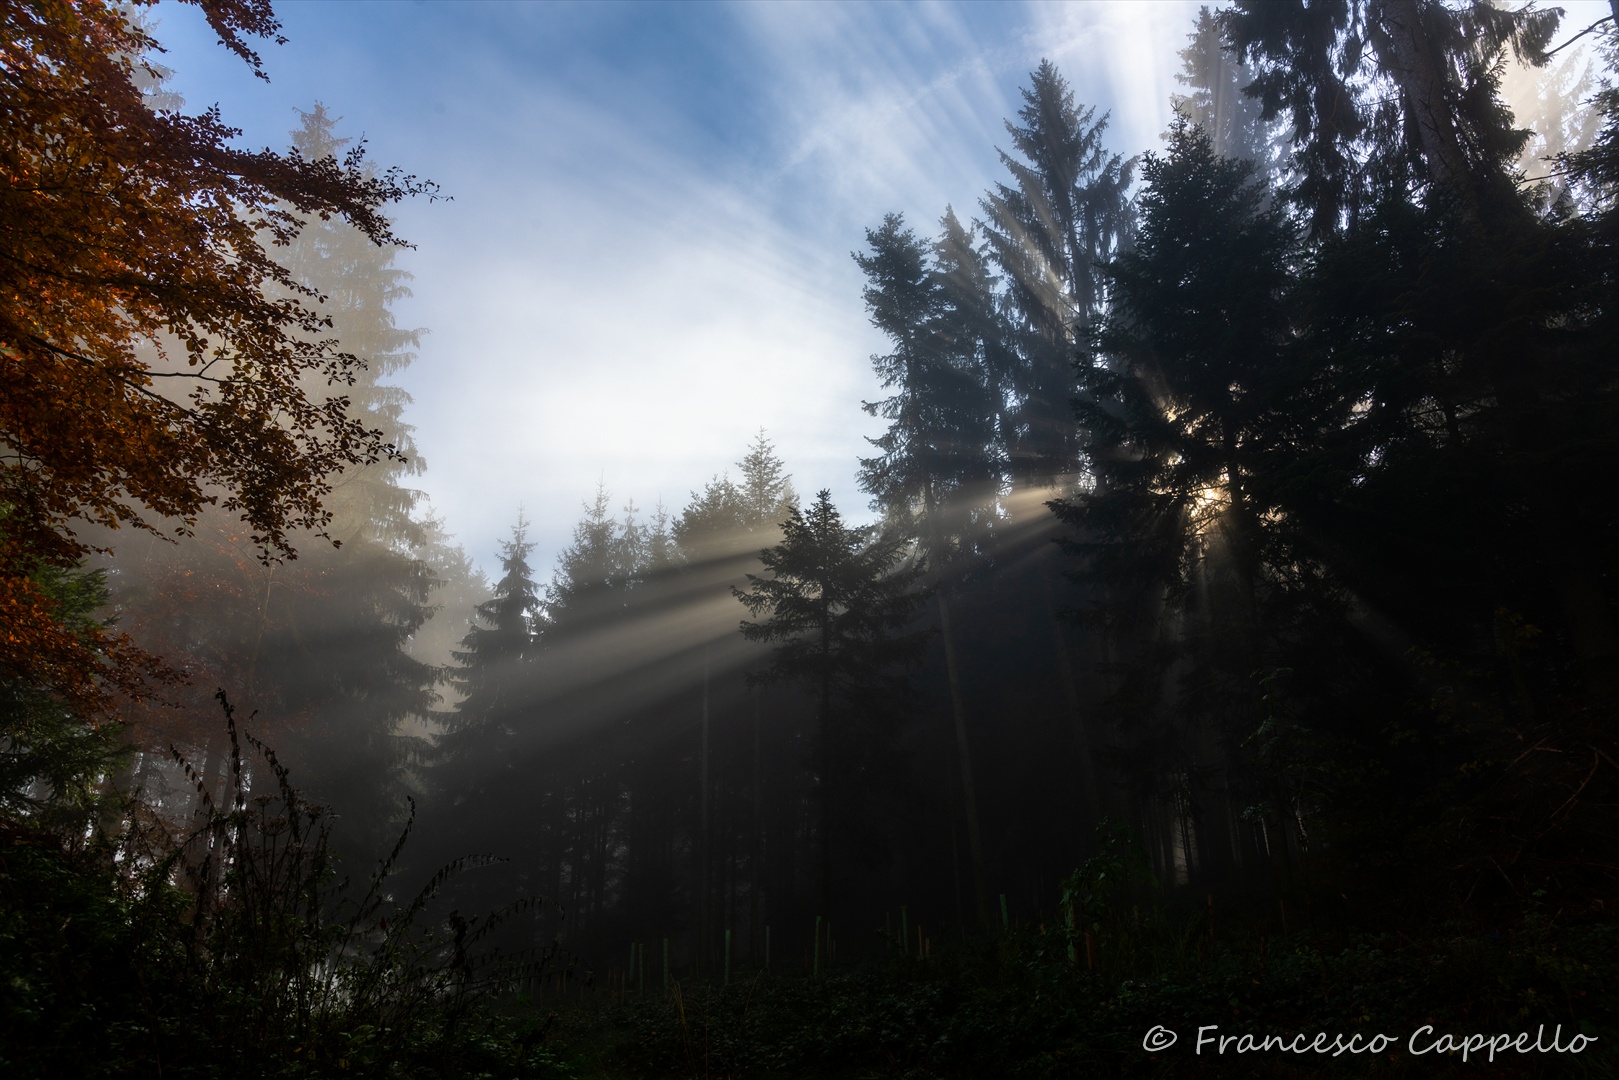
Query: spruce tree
[319, 648]
[837, 603]
[1217, 100]
[1188, 402]
[1454, 313]
[765, 488]
[478, 772]
[1064, 214]
[933, 479]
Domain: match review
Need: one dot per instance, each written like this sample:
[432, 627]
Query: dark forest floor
[1016, 1007]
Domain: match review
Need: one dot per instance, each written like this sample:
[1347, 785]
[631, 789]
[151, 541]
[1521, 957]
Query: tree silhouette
[1063, 215]
[836, 605]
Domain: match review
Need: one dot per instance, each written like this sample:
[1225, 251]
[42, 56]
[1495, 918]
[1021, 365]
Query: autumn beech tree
[156, 356]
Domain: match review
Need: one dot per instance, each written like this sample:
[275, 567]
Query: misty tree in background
[837, 605]
[718, 537]
[458, 588]
[589, 592]
[340, 653]
[1217, 100]
[318, 647]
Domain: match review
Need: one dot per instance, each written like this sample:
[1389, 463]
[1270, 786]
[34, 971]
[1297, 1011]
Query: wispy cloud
[647, 255]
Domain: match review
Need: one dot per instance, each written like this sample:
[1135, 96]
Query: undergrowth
[229, 948]
[1016, 1007]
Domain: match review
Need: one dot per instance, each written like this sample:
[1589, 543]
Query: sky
[646, 257]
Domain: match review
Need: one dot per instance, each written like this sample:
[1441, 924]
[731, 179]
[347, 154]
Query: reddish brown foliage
[152, 350]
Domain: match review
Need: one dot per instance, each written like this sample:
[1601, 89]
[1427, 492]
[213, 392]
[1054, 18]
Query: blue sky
[647, 255]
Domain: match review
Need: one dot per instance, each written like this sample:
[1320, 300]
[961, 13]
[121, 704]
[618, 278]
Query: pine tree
[1389, 97]
[478, 772]
[459, 587]
[358, 284]
[1185, 398]
[588, 597]
[765, 488]
[1444, 293]
[1189, 402]
[319, 648]
[836, 606]
[933, 478]
[361, 694]
[1049, 231]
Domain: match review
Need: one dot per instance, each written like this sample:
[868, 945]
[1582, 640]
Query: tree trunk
[969, 792]
[1409, 56]
[753, 853]
[704, 904]
[1082, 731]
[824, 788]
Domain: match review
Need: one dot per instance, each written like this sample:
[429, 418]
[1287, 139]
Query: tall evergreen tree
[459, 587]
[479, 758]
[1189, 400]
[1064, 214]
[1389, 95]
[1417, 172]
[836, 606]
[933, 477]
[765, 487]
[319, 647]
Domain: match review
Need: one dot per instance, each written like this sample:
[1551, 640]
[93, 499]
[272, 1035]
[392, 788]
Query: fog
[936, 456]
[647, 255]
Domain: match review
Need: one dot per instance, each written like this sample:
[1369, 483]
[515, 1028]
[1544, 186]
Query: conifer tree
[836, 603]
[1217, 100]
[1389, 96]
[1442, 292]
[319, 647]
[1186, 395]
[1188, 403]
[933, 475]
[1064, 214]
[478, 772]
[459, 587]
[360, 693]
[765, 488]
